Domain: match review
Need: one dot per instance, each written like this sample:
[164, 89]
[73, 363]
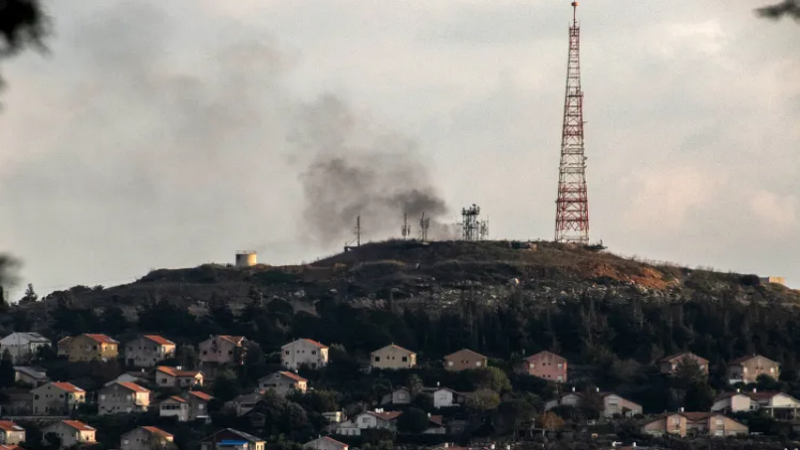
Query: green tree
[786, 8]
[699, 397]
[483, 400]
[414, 420]
[7, 373]
[30, 295]
[414, 384]
[490, 378]
[187, 357]
[688, 373]
[226, 385]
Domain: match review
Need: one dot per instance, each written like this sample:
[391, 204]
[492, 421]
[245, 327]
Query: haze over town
[170, 134]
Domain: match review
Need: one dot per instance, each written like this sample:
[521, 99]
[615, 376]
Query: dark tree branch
[786, 8]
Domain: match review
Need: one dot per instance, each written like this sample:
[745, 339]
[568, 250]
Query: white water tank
[246, 259]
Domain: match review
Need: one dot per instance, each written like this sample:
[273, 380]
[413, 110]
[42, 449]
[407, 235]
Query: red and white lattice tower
[572, 206]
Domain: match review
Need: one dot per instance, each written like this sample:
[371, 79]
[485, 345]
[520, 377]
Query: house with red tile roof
[776, 404]
[147, 350]
[465, 359]
[88, 347]
[11, 433]
[304, 353]
[326, 443]
[669, 364]
[123, 397]
[198, 404]
[167, 376]
[545, 365]
[223, 349]
[56, 398]
[694, 423]
[283, 383]
[174, 406]
[71, 432]
[392, 357]
[145, 438]
[748, 368]
[612, 404]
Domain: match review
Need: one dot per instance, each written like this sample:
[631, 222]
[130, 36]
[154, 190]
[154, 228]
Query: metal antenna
[572, 205]
[406, 229]
[358, 231]
[424, 224]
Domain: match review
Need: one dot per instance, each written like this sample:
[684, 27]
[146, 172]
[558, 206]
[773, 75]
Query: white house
[283, 383]
[775, 403]
[400, 396]
[613, 404]
[174, 407]
[447, 398]
[304, 352]
[23, 347]
[369, 419]
[325, 443]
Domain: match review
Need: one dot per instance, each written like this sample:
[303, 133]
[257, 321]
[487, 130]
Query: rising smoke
[162, 147]
[379, 178]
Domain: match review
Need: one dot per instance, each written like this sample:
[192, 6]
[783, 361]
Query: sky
[160, 134]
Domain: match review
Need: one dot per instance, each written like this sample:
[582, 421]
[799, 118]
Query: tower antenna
[572, 205]
[405, 231]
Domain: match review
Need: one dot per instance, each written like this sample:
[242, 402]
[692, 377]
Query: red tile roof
[132, 386]
[293, 376]
[466, 352]
[394, 346]
[101, 338]
[387, 415]
[681, 355]
[543, 353]
[157, 431]
[10, 447]
[158, 339]
[748, 358]
[236, 340]
[201, 395]
[78, 425]
[436, 419]
[318, 344]
[335, 441]
[10, 426]
[69, 387]
[172, 371]
[175, 398]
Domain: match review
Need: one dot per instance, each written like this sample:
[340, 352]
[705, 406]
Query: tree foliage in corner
[22, 24]
[786, 8]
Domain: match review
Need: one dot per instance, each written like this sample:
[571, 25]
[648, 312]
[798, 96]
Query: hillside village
[696, 359]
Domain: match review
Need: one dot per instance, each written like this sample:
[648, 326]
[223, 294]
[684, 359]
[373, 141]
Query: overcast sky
[165, 134]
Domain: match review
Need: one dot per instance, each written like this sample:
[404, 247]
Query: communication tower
[424, 225]
[470, 225]
[405, 231]
[572, 205]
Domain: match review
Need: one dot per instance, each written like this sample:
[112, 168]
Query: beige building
[304, 353]
[11, 433]
[198, 404]
[776, 404]
[326, 443]
[465, 359]
[177, 377]
[88, 347]
[56, 398]
[747, 369]
[612, 404]
[146, 438]
[148, 350]
[545, 365]
[71, 432]
[123, 398]
[670, 363]
[694, 423]
[222, 350]
[393, 357]
[283, 383]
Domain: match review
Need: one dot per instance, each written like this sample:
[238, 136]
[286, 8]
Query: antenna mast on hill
[572, 205]
[357, 231]
[406, 229]
[424, 225]
[470, 226]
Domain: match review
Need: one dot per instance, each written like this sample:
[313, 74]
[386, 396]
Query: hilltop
[436, 274]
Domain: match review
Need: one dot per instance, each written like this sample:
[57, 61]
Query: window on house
[287, 352]
[313, 352]
[405, 359]
[450, 363]
[377, 359]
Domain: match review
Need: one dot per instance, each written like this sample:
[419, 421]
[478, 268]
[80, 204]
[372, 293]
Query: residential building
[400, 396]
[145, 438]
[334, 417]
[174, 406]
[242, 404]
[670, 363]
[283, 383]
[130, 377]
[30, 376]
[177, 377]
[88, 347]
[71, 432]
[198, 404]
[446, 397]
[693, 423]
[11, 433]
[546, 365]
[224, 349]
[326, 443]
[465, 359]
[304, 352]
[435, 425]
[393, 357]
[23, 347]
[777, 404]
[369, 419]
[56, 398]
[747, 369]
[123, 398]
[612, 404]
[147, 350]
[776, 280]
[230, 439]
